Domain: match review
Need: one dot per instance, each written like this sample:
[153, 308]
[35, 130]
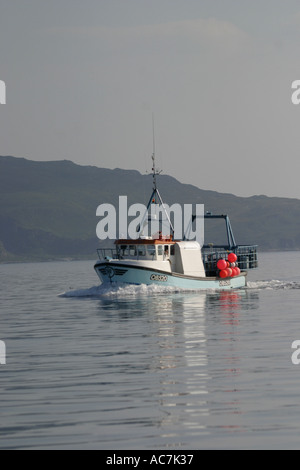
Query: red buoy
[232, 258]
[222, 264]
[223, 273]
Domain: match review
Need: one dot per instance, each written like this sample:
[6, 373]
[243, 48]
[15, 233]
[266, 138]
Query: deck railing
[246, 254]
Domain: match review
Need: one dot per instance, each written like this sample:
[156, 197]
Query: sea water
[136, 367]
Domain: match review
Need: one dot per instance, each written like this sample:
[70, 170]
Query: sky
[83, 79]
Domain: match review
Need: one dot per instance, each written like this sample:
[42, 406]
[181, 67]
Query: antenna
[153, 134]
[155, 197]
[155, 172]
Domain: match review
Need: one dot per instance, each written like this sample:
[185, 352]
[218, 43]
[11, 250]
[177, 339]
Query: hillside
[48, 209]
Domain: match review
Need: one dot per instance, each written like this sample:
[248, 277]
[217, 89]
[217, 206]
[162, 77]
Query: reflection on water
[192, 343]
[139, 368]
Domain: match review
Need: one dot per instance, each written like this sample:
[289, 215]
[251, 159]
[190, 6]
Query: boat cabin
[182, 257]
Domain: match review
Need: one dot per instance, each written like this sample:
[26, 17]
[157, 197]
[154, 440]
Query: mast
[155, 172]
[155, 196]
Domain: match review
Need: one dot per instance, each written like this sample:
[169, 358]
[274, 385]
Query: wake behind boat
[180, 263]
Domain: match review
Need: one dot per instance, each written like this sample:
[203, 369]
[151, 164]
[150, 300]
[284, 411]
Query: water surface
[95, 367]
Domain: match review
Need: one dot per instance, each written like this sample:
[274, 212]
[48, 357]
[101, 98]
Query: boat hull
[115, 272]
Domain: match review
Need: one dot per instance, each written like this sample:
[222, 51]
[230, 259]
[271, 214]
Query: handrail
[246, 256]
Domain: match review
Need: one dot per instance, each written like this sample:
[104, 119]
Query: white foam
[274, 284]
[125, 290]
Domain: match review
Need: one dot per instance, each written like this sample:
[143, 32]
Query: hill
[48, 209]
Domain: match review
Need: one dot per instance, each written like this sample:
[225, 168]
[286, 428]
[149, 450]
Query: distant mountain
[48, 209]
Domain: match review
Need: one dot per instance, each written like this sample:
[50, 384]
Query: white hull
[116, 271]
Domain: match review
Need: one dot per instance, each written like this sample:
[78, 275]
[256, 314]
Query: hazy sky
[83, 78]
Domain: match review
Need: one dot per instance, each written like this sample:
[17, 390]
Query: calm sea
[90, 367]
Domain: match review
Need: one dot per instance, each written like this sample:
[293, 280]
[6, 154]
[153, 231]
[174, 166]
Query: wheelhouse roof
[146, 241]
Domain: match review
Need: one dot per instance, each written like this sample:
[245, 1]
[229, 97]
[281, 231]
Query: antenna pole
[155, 196]
[154, 172]
[153, 133]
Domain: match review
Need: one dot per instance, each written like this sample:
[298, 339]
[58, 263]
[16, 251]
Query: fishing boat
[180, 263]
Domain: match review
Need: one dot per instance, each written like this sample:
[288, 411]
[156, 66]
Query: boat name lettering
[159, 277]
[224, 283]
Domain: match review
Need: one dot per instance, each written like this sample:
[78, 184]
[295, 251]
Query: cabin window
[124, 251]
[172, 250]
[141, 250]
[160, 250]
[167, 248]
[132, 250]
[151, 250]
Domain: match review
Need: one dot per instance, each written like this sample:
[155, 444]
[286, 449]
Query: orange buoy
[229, 272]
[234, 272]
